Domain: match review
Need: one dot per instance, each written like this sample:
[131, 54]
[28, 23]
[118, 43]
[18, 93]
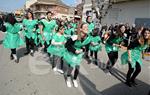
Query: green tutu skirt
[72, 59]
[12, 41]
[95, 48]
[124, 58]
[135, 57]
[56, 50]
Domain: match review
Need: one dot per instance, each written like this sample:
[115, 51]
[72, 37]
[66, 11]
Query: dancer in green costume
[112, 46]
[12, 38]
[133, 56]
[69, 30]
[30, 33]
[57, 49]
[73, 55]
[91, 27]
[41, 38]
[95, 46]
[49, 29]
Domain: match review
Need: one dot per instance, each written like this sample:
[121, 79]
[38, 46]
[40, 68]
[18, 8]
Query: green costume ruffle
[110, 48]
[58, 50]
[135, 56]
[75, 59]
[12, 38]
[91, 27]
[97, 41]
[30, 31]
[49, 29]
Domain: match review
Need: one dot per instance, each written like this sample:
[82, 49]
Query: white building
[129, 11]
[124, 11]
[86, 8]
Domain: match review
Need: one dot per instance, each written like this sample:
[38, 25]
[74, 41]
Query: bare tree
[103, 6]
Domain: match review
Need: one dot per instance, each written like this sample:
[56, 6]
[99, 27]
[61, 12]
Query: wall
[29, 3]
[128, 12]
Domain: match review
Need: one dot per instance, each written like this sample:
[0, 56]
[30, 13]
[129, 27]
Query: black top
[3, 28]
[111, 39]
[134, 44]
[70, 45]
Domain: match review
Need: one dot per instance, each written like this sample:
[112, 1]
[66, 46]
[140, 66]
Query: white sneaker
[91, 58]
[75, 83]
[68, 82]
[108, 73]
[55, 69]
[31, 51]
[60, 71]
[15, 56]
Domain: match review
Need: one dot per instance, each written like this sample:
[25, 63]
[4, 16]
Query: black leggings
[95, 55]
[13, 51]
[113, 56]
[76, 72]
[29, 44]
[148, 49]
[133, 72]
[87, 50]
[46, 45]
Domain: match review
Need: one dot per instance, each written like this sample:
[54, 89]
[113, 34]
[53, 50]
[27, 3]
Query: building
[94, 4]
[40, 7]
[87, 8]
[1, 13]
[122, 11]
[129, 11]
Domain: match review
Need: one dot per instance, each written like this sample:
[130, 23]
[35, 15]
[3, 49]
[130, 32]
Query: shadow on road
[115, 72]
[118, 89]
[20, 52]
[88, 87]
[118, 74]
[121, 89]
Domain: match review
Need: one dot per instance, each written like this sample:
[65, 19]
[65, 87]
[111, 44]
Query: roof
[58, 2]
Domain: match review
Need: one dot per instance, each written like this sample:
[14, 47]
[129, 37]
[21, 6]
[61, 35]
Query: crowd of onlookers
[132, 32]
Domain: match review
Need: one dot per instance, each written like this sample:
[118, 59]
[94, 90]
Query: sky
[12, 5]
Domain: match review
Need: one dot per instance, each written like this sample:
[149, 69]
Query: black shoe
[11, 57]
[108, 67]
[128, 84]
[45, 50]
[17, 60]
[87, 57]
[134, 83]
[96, 63]
[26, 53]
